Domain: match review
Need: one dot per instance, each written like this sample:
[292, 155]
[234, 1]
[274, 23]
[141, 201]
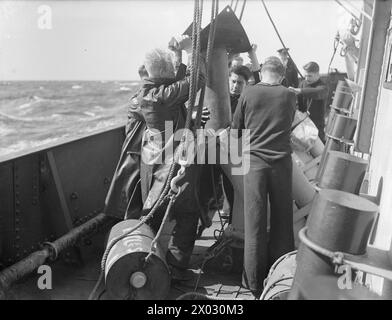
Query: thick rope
[242, 10]
[280, 38]
[335, 48]
[210, 46]
[158, 235]
[235, 6]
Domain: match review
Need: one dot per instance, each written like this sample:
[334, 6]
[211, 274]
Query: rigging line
[231, 4]
[210, 44]
[235, 6]
[335, 48]
[348, 10]
[242, 10]
[280, 38]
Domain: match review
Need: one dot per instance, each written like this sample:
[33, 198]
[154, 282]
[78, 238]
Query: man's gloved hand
[205, 116]
[253, 49]
[180, 43]
[255, 66]
[295, 90]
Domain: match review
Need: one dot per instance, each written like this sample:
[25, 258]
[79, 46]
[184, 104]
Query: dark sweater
[233, 102]
[268, 111]
[312, 98]
[291, 75]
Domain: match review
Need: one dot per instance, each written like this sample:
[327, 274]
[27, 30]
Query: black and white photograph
[218, 151]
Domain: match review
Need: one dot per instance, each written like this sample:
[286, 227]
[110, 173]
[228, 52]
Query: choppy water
[33, 113]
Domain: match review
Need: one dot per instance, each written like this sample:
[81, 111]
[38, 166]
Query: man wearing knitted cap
[291, 74]
[267, 110]
[312, 95]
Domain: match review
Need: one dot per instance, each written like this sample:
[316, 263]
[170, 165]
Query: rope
[218, 249]
[274, 284]
[280, 38]
[242, 10]
[210, 45]
[348, 10]
[335, 48]
[157, 236]
[98, 283]
[235, 6]
[195, 63]
[339, 258]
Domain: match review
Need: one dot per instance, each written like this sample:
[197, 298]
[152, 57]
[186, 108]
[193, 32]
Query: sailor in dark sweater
[267, 110]
[312, 94]
[238, 79]
[291, 74]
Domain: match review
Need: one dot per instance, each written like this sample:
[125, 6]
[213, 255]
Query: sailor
[312, 96]
[238, 79]
[267, 110]
[291, 75]
[163, 99]
[137, 184]
[143, 74]
[236, 61]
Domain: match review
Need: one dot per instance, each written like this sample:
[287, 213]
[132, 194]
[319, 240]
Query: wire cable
[280, 38]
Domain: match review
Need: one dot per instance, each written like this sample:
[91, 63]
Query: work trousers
[260, 250]
[186, 213]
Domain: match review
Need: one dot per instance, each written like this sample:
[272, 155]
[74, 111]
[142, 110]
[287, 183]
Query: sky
[107, 40]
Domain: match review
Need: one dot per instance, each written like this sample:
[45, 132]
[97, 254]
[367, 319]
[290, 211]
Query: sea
[35, 113]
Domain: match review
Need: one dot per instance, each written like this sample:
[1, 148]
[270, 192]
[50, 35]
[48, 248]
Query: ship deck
[75, 281]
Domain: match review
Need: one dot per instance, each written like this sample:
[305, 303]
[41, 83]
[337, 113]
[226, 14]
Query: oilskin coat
[123, 199]
[146, 154]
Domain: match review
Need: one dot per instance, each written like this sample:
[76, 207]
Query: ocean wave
[6, 131]
[126, 89]
[76, 86]
[89, 113]
[33, 100]
[9, 118]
